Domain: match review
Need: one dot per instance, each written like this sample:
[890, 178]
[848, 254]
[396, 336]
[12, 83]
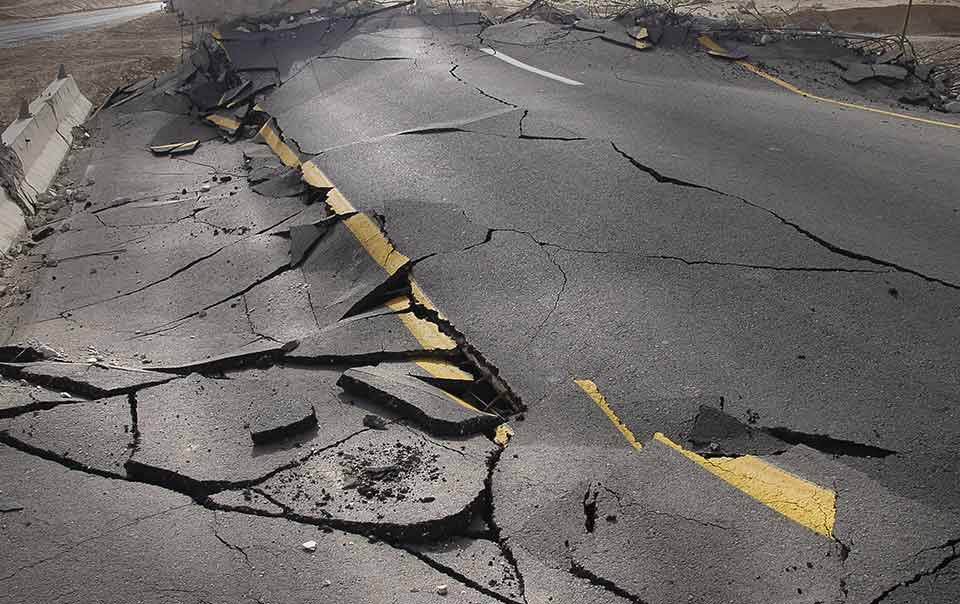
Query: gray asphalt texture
[17, 32]
[743, 270]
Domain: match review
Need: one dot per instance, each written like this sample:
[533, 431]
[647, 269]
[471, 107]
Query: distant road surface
[16, 32]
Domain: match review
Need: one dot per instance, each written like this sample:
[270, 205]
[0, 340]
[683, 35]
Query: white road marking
[530, 68]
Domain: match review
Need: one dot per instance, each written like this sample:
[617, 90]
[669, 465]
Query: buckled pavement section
[166, 313]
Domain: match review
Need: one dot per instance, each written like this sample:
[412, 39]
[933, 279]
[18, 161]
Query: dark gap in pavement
[828, 444]
[582, 573]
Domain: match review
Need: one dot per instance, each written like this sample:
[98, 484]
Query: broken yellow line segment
[709, 43]
[383, 252]
[594, 393]
[800, 500]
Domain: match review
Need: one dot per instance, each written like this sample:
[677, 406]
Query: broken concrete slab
[367, 340]
[273, 420]
[392, 483]
[89, 379]
[95, 436]
[431, 408]
[195, 432]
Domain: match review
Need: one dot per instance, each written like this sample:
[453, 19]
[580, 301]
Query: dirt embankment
[18, 9]
[100, 60]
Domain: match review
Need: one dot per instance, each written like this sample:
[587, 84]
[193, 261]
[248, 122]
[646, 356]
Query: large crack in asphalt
[930, 572]
[581, 572]
[665, 179]
[836, 249]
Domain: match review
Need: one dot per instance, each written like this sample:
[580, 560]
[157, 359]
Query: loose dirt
[99, 60]
[33, 9]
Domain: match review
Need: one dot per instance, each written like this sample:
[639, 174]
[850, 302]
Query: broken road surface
[387, 317]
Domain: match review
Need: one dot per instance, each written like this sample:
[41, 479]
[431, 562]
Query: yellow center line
[709, 43]
[375, 242]
[224, 121]
[802, 501]
[594, 393]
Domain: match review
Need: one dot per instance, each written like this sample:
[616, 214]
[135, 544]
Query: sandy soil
[99, 60]
[32, 9]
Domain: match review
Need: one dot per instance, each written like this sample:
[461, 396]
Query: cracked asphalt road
[669, 336]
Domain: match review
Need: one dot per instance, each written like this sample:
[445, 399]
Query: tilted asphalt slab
[729, 312]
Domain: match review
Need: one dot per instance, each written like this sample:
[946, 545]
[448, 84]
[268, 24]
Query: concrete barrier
[41, 142]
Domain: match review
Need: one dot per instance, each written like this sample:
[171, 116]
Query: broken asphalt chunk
[431, 408]
[366, 340]
[93, 380]
[275, 420]
[716, 433]
[288, 183]
[858, 72]
[195, 433]
[263, 354]
[176, 148]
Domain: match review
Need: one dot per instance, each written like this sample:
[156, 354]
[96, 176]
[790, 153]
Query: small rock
[952, 107]
[442, 590]
[327, 582]
[64, 227]
[205, 188]
[766, 39]
[310, 546]
[65, 395]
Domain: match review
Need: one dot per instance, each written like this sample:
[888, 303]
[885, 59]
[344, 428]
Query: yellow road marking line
[708, 42]
[376, 244]
[594, 393]
[802, 501]
[224, 121]
[283, 151]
